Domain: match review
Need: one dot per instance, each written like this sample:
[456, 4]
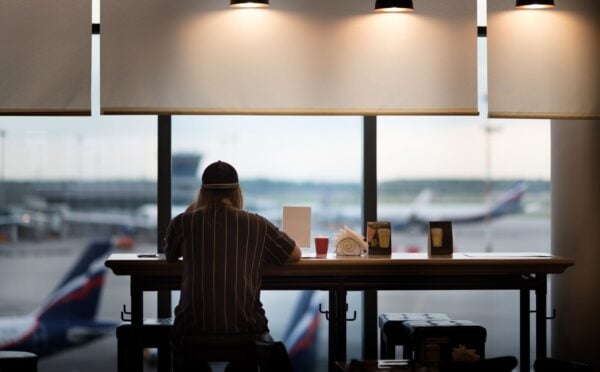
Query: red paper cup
[321, 245]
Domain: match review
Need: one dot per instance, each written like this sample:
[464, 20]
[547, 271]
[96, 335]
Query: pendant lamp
[394, 6]
[249, 4]
[535, 4]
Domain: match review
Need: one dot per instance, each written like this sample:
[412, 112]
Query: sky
[309, 148]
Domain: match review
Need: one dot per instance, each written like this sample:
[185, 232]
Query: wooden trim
[542, 115]
[44, 112]
[324, 112]
[398, 265]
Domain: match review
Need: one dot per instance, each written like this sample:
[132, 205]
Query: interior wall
[576, 235]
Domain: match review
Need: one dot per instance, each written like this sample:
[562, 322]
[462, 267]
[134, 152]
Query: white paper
[507, 254]
[296, 223]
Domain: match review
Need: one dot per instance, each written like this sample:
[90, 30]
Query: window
[64, 183]
[460, 169]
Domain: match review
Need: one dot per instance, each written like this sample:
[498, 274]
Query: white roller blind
[544, 63]
[45, 57]
[296, 57]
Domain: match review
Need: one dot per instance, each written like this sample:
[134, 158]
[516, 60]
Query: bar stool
[392, 333]
[21, 361]
[436, 340]
[559, 365]
[247, 350]
[155, 333]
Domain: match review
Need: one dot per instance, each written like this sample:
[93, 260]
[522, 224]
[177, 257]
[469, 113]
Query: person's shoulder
[252, 216]
[270, 225]
[178, 217]
[185, 215]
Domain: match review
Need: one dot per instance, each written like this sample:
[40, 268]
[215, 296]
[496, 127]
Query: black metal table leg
[524, 341]
[340, 319]
[332, 330]
[540, 316]
[369, 307]
[137, 313]
[337, 327]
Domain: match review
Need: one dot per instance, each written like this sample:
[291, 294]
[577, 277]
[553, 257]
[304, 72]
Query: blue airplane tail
[301, 334]
[510, 201]
[78, 294]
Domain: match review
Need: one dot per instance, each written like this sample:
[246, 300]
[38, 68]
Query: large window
[490, 177]
[66, 182]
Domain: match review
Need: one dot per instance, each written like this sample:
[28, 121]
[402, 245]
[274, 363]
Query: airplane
[508, 202]
[418, 214]
[33, 217]
[403, 217]
[300, 337]
[66, 318]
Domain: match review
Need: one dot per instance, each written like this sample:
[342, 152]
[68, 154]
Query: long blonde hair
[210, 198]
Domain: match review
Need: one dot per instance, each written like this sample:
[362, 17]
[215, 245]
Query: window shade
[544, 63]
[296, 57]
[45, 57]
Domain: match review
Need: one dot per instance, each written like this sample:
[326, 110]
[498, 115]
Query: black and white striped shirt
[223, 250]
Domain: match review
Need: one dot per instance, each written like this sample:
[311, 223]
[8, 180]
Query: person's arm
[296, 255]
[279, 247]
[172, 243]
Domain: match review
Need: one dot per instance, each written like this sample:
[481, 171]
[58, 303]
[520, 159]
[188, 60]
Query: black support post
[163, 198]
[163, 191]
[369, 213]
[333, 331]
[524, 341]
[540, 316]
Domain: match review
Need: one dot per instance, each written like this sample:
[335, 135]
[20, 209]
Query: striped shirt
[223, 250]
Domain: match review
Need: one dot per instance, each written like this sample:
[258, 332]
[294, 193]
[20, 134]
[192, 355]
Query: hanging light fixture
[394, 6]
[249, 4]
[535, 4]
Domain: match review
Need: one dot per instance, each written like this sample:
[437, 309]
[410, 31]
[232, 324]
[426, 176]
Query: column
[576, 234]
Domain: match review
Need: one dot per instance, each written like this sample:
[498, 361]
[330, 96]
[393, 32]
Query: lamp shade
[534, 4]
[249, 4]
[394, 6]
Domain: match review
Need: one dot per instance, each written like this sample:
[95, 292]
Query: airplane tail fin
[301, 334]
[78, 294]
[423, 198]
[510, 201]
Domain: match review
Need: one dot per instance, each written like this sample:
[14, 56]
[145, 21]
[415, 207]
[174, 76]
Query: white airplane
[66, 318]
[422, 211]
[418, 214]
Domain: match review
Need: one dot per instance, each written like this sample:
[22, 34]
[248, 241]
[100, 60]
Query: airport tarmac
[30, 270]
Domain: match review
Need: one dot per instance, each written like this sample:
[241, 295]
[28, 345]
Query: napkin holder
[349, 243]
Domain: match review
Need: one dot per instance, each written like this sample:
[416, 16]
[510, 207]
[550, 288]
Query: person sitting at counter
[223, 249]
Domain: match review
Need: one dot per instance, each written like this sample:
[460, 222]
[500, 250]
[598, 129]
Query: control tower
[185, 180]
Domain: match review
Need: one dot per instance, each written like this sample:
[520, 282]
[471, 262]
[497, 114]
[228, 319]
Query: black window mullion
[163, 199]
[369, 213]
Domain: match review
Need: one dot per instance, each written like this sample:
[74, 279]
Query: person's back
[223, 249]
